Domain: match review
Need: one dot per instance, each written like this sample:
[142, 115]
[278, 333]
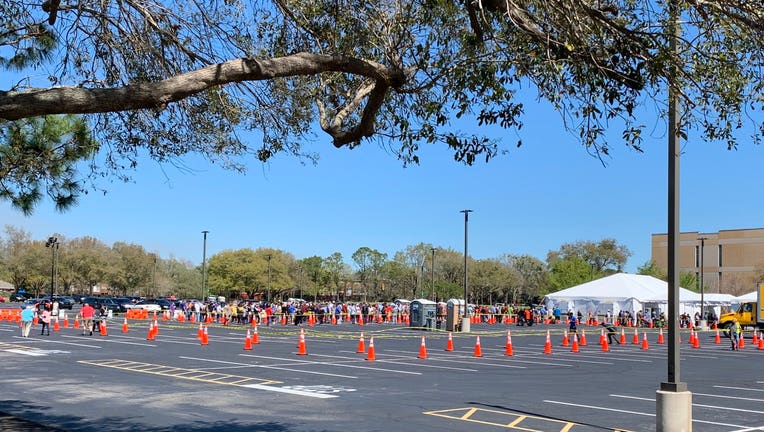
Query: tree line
[88, 266]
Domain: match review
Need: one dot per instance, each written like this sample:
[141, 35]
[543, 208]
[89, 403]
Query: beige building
[732, 260]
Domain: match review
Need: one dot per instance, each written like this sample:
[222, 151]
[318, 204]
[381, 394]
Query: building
[732, 261]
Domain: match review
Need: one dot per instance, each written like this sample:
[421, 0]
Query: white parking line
[739, 388]
[694, 404]
[636, 413]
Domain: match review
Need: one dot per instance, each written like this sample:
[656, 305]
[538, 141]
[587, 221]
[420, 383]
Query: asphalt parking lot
[123, 381]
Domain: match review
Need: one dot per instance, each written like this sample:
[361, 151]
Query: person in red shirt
[87, 314]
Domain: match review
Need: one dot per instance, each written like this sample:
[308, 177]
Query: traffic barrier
[548, 344]
[124, 326]
[478, 349]
[508, 351]
[645, 344]
[565, 340]
[370, 354]
[450, 343]
[661, 339]
[255, 336]
[361, 345]
[422, 350]
[301, 348]
[574, 347]
[248, 342]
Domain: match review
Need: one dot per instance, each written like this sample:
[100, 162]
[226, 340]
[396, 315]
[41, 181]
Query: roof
[622, 286]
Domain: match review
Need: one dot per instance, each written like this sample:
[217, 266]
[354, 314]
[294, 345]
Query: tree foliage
[169, 78]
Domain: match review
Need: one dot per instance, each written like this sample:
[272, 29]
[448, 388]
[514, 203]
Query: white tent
[751, 296]
[620, 292]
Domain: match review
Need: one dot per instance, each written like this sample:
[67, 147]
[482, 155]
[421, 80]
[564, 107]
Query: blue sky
[530, 201]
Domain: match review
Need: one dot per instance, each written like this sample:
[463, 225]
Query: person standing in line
[27, 316]
[45, 319]
[87, 312]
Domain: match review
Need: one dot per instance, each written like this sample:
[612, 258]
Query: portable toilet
[422, 313]
[454, 314]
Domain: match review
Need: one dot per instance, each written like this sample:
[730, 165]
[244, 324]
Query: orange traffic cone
[755, 339]
[248, 342]
[371, 355]
[605, 346]
[696, 341]
[548, 344]
[717, 338]
[582, 342]
[450, 343]
[76, 322]
[56, 327]
[565, 341]
[422, 350]
[66, 321]
[301, 349]
[761, 343]
[478, 350]
[635, 339]
[623, 337]
[574, 348]
[741, 344]
[508, 351]
[104, 332]
[661, 339]
[156, 328]
[150, 334]
[255, 336]
[645, 344]
[205, 337]
[200, 332]
[124, 326]
[361, 345]
[602, 336]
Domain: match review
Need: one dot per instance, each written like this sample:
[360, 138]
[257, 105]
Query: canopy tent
[751, 296]
[620, 292]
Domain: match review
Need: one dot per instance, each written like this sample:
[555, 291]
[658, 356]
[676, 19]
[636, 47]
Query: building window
[720, 255]
[697, 256]
[719, 287]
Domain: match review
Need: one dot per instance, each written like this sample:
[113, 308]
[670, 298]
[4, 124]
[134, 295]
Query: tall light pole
[702, 289]
[204, 266]
[268, 257]
[432, 276]
[673, 401]
[154, 276]
[465, 318]
[52, 243]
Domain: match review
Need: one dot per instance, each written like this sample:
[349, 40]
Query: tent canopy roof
[623, 286]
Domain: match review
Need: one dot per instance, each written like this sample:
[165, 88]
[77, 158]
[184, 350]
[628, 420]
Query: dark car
[99, 302]
[18, 297]
[65, 302]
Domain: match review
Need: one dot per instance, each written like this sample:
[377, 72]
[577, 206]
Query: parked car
[18, 297]
[65, 302]
[152, 305]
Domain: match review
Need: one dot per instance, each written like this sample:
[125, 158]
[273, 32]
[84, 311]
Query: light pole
[268, 257]
[154, 276]
[703, 321]
[52, 243]
[204, 266]
[465, 318]
[419, 279]
[432, 276]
